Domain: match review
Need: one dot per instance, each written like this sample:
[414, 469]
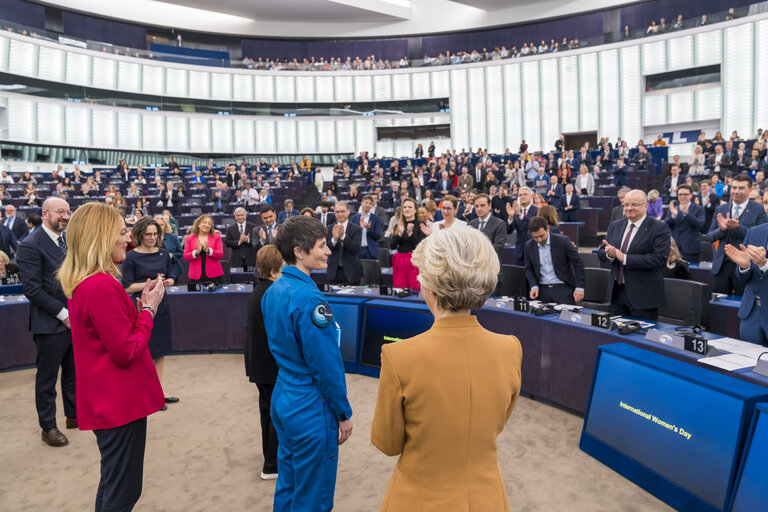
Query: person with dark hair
[408, 233]
[686, 220]
[33, 221]
[265, 234]
[310, 410]
[144, 264]
[729, 227]
[260, 366]
[553, 266]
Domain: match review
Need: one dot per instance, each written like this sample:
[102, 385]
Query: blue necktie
[62, 244]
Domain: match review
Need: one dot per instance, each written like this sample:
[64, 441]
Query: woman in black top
[260, 366]
[676, 267]
[406, 237]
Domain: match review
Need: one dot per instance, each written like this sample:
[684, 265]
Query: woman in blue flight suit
[310, 410]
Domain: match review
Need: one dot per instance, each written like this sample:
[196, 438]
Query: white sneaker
[269, 476]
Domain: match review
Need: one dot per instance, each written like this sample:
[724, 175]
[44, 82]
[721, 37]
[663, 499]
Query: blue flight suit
[310, 396]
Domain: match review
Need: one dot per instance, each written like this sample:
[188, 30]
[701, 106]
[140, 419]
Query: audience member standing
[266, 233]
[518, 216]
[238, 239]
[370, 223]
[15, 223]
[686, 219]
[143, 265]
[637, 249]
[117, 385]
[204, 251]
[171, 244]
[569, 205]
[39, 258]
[408, 233]
[708, 200]
[553, 267]
[288, 211]
[752, 265]
[489, 224]
[260, 366]
[729, 227]
[344, 240]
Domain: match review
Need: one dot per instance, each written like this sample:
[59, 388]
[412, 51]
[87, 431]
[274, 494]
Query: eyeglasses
[634, 205]
[61, 211]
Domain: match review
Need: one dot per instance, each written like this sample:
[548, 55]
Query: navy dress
[137, 268]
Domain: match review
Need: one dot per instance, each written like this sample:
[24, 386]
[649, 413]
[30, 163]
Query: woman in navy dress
[147, 261]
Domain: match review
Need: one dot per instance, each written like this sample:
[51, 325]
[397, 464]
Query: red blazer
[116, 379]
[212, 265]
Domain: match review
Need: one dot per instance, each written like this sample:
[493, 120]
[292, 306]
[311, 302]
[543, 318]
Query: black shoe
[171, 399]
[164, 407]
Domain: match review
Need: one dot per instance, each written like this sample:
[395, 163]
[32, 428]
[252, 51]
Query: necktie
[482, 225]
[624, 247]
[242, 229]
[269, 234]
[62, 244]
[525, 212]
[737, 212]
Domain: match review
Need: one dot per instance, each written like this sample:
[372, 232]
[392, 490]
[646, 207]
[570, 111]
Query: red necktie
[624, 247]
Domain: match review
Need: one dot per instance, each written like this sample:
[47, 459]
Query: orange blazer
[444, 397]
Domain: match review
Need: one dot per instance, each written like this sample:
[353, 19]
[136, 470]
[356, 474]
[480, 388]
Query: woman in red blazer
[117, 385]
[204, 250]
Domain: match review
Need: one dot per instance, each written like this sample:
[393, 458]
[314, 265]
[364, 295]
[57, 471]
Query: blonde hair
[167, 230]
[4, 258]
[674, 252]
[653, 195]
[459, 265]
[195, 229]
[91, 235]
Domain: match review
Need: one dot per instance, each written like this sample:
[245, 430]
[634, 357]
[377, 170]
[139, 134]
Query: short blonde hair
[653, 195]
[91, 235]
[459, 265]
[4, 258]
[167, 229]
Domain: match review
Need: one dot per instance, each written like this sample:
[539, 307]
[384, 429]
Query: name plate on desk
[578, 317]
[666, 338]
[695, 344]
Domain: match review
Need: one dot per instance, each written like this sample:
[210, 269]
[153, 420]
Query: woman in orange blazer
[204, 250]
[445, 395]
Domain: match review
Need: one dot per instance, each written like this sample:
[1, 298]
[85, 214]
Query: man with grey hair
[618, 211]
[288, 212]
[238, 239]
[637, 249]
[344, 239]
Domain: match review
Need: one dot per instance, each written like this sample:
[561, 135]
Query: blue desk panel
[751, 488]
[386, 321]
[348, 313]
[674, 429]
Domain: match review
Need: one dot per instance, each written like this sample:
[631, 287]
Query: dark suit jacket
[238, 252]
[19, 228]
[8, 242]
[753, 215]
[494, 230]
[372, 235]
[646, 258]
[725, 162]
[438, 188]
[284, 215]
[617, 213]
[330, 218]
[260, 366]
[225, 196]
[566, 261]
[348, 250]
[757, 286]
[523, 235]
[39, 259]
[174, 196]
[554, 200]
[571, 215]
[686, 229]
[709, 210]
[668, 183]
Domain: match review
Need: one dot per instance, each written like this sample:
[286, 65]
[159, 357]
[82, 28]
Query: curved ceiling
[331, 18]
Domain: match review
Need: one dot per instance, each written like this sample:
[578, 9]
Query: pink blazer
[116, 379]
[212, 265]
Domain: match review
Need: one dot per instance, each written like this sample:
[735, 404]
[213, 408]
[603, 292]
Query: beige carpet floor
[204, 453]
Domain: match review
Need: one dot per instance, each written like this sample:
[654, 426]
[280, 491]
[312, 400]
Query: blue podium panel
[385, 321]
[751, 489]
[348, 313]
[674, 429]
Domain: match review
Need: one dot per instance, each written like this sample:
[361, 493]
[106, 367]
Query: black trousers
[268, 434]
[620, 305]
[561, 294]
[54, 351]
[726, 282]
[341, 278]
[122, 466]
[366, 254]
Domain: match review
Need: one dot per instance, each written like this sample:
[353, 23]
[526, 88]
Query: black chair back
[371, 272]
[685, 302]
[706, 251]
[590, 259]
[513, 282]
[597, 288]
[385, 259]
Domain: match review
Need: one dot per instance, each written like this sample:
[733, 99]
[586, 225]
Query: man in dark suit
[637, 249]
[265, 234]
[238, 239]
[518, 215]
[288, 212]
[220, 197]
[618, 211]
[720, 162]
[8, 242]
[554, 192]
[752, 265]
[686, 219]
[15, 223]
[344, 240]
[326, 216]
[642, 160]
[569, 205]
[583, 158]
[672, 182]
[370, 223]
[492, 226]
[729, 226]
[444, 187]
[709, 201]
[478, 175]
[39, 257]
[553, 267]
[170, 198]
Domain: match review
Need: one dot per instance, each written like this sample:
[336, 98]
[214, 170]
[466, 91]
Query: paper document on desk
[735, 346]
[730, 362]
[620, 321]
